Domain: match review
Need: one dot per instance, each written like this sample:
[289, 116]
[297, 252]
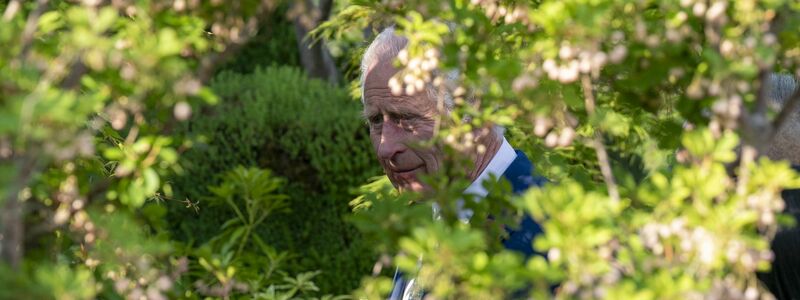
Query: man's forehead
[378, 96]
[382, 100]
[379, 73]
[376, 86]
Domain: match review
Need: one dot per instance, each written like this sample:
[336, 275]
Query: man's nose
[393, 140]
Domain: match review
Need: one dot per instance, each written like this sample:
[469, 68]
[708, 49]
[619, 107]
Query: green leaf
[151, 182]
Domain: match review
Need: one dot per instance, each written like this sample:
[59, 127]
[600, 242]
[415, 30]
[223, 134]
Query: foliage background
[114, 212]
[305, 131]
[181, 149]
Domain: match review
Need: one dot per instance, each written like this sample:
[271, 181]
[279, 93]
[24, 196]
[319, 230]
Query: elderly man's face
[395, 124]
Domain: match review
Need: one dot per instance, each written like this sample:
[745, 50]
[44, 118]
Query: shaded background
[310, 132]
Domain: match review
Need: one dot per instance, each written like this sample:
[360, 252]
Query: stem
[236, 210]
[11, 214]
[245, 237]
[11, 10]
[152, 155]
[261, 219]
[763, 94]
[440, 108]
[748, 154]
[132, 135]
[597, 141]
[30, 28]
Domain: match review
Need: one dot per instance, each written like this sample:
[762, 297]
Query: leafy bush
[89, 92]
[305, 131]
[237, 262]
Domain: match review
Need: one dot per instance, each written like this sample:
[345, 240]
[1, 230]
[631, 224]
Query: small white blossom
[716, 11]
[618, 53]
[182, 111]
[699, 9]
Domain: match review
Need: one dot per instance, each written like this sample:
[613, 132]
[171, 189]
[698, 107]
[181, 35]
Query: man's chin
[408, 180]
[416, 187]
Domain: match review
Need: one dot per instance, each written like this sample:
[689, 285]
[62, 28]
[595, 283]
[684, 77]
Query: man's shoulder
[521, 173]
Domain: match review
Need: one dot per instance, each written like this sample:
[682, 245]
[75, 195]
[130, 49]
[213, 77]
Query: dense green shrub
[305, 131]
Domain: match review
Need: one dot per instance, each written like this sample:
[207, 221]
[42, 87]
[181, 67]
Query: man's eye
[375, 120]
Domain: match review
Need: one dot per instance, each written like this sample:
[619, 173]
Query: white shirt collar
[497, 166]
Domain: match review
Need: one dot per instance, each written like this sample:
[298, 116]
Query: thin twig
[30, 28]
[12, 226]
[599, 147]
[763, 93]
[748, 154]
[73, 79]
[440, 108]
[11, 10]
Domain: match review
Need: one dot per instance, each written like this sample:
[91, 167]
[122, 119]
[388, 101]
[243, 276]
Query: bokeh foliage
[646, 117]
[93, 95]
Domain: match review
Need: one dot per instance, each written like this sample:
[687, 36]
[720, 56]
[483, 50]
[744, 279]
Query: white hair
[780, 87]
[387, 45]
[786, 142]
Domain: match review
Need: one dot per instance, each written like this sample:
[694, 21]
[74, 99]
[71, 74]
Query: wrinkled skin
[785, 144]
[396, 124]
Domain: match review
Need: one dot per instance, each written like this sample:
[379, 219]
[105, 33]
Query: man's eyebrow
[392, 111]
[404, 113]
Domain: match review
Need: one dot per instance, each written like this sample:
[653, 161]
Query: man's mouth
[405, 172]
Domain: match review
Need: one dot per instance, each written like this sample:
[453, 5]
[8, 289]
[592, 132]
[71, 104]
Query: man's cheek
[375, 139]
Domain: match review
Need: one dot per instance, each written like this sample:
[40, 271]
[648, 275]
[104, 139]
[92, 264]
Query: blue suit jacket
[783, 279]
[520, 175]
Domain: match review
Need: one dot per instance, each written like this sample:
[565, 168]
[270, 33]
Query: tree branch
[73, 79]
[599, 147]
[763, 93]
[30, 28]
[315, 58]
[748, 154]
[11, 10]
[11, 216]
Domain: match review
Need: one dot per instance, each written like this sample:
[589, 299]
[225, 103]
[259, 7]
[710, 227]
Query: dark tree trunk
[315, 58]
[12, 233]
[12, 226]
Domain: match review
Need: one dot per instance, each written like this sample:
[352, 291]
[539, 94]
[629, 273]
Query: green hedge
[306, 131]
